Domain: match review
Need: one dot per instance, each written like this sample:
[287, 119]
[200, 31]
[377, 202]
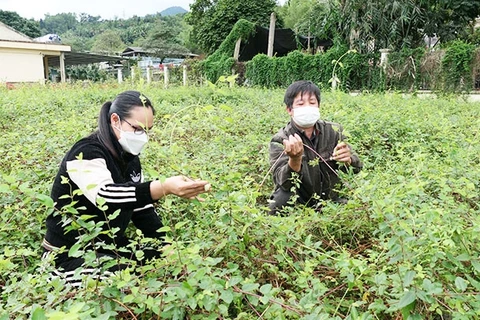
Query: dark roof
[286, 40]
[77, 58]
[132, 50]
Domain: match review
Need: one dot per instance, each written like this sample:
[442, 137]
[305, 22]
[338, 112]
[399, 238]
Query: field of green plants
[406, 246]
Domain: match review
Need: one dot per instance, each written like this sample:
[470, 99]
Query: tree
[78, 43]
[83, 31]
[108, 42]
[448, 19]
[212, 20]
[305, 16]
[398, 24]
[12, 19]
[185, 37]
[86, 18]
[163, 40]
[133, 33]
[58, 23]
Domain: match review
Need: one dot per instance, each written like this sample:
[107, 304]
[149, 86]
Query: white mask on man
[306, 117]
[131, 142]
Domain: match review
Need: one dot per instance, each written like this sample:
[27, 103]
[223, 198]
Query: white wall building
[24, 60]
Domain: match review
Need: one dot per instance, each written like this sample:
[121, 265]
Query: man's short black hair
[302, 86]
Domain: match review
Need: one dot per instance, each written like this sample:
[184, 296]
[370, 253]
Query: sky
[107, 9]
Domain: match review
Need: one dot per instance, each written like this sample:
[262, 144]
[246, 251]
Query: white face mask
[131, 142]
[306, 117]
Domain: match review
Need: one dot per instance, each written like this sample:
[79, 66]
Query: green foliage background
[405, 246]
[392, 24]
[29, 27]
[212, 21]
[221, 62]
[453, 69]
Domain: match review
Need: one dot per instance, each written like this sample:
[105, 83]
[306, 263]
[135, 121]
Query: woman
[100, 180]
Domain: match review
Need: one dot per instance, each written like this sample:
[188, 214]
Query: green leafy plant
[457, 66]
[334, 80]
[404, 246]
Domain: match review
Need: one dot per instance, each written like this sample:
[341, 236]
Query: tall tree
[305, 16]
[29, 28]
[108, 42]
[448, 18]
[212, 20]
[78, 43]
[164, 39]
[186, 36]
[58, 23]
[398, 23]
[86, 18]
[136, 32]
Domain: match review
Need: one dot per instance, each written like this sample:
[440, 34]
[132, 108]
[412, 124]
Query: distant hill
[173, 11]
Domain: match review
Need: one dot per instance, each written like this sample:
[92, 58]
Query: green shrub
[450, 70]
[221, 62]
[404, 73]
[405, 246]
[457, 66]
[88, 72]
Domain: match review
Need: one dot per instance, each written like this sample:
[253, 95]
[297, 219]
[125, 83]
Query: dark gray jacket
[316, 177]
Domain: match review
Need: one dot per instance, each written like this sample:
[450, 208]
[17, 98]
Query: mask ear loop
[119, 128]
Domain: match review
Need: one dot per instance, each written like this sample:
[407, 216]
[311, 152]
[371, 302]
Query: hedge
[453, 68]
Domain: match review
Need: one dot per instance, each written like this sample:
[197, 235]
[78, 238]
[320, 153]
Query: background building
[24, 60]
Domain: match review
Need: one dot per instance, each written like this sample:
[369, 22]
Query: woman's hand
[180, 186]
[185, 187]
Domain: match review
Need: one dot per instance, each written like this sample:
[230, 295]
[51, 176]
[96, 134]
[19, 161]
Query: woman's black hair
[121, 105]
[302, 86]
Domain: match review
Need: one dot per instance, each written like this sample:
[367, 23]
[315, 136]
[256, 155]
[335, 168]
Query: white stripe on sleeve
[114, 194]
[120, 189]
[117, 194]
[89, 176]
[146, 207]
[118, 200]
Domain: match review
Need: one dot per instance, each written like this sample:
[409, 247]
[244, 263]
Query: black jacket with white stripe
[89, 172]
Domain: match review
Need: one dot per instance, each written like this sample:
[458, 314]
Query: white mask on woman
[306, 117]
[131, 142]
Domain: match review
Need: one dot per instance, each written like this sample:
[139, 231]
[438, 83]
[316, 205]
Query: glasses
[137, 130]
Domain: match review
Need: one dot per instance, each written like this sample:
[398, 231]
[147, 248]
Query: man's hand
[294, 149]
[342, 153]
[293, 146]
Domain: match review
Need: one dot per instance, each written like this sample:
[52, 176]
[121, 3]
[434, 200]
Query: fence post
[231, 82]
[149, 75]
[184, 75]
[119, 75]
[384, 58]
[132, 73]
[62, 67]
[271, 35]
[165, 75]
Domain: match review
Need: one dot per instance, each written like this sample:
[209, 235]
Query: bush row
[454, 68]
[404, 247]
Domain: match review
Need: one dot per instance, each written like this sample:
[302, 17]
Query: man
[311, 148]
